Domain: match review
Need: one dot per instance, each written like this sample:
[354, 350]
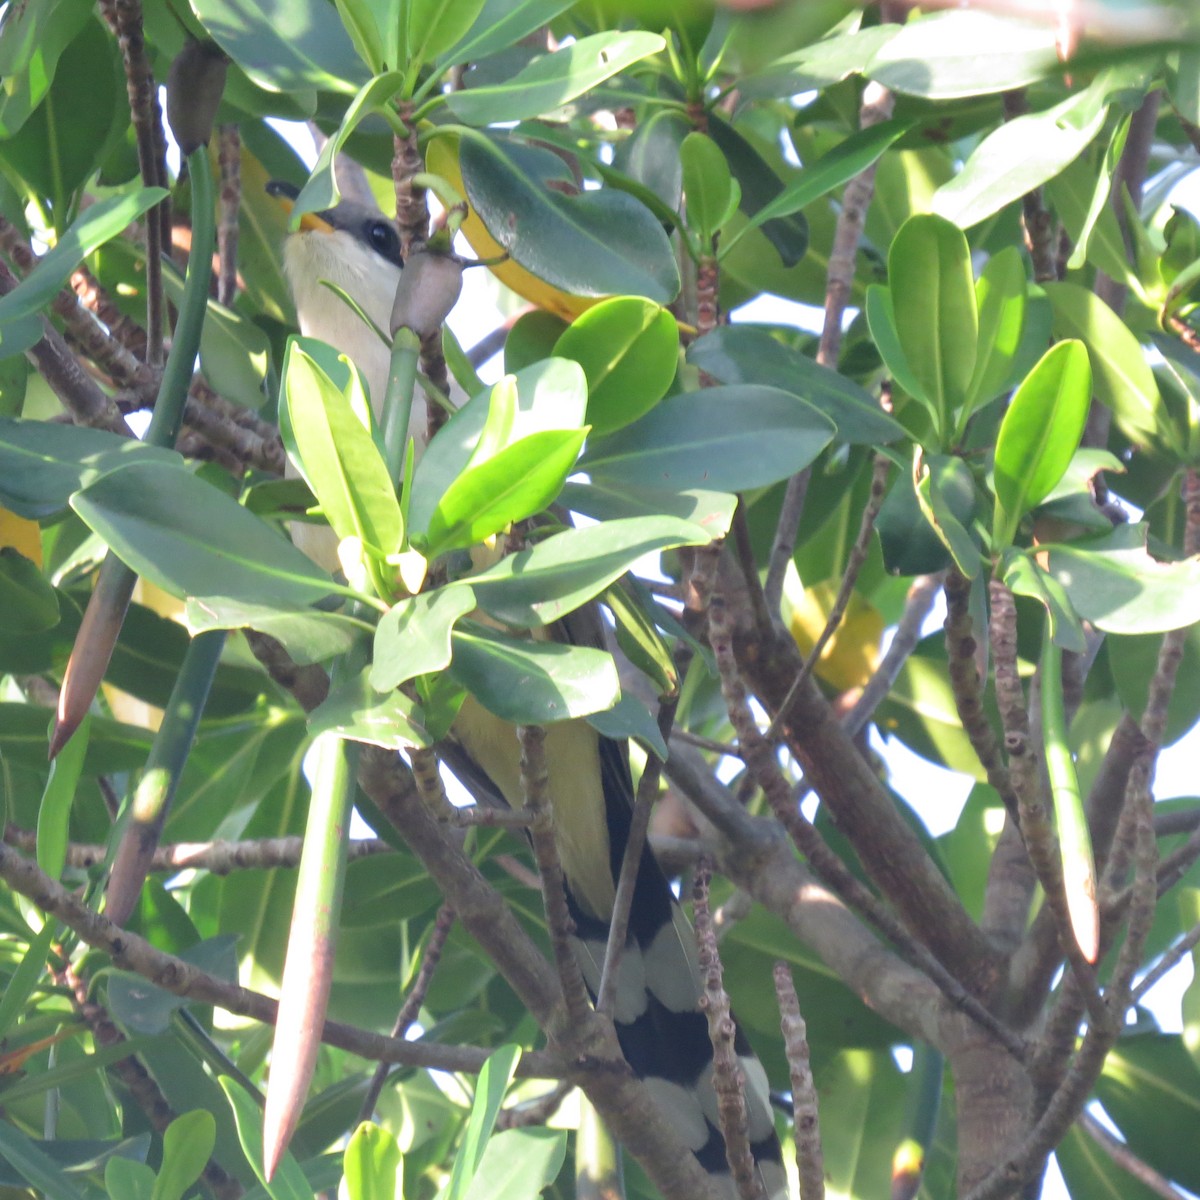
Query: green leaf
[413, 638]
[23, 979]
[1121, 376]
[288, 1182]
[35, 1165]
[945, 56]
[356, 712]
[33, 40]
[630, 718]
[187, 1144]
[550, 395]
[307, 635]
[709, 191]
[1133, 661]
[1039, 434]
[612, 501]
[595, 243]
[436, 25]
[933, 303]
[629, 351]
[1114, 583]
[743, 354]
[881, 320]
[1024, 577]
[516, 483]
[341, 460]
[1089, 1170]
[1071, 192]
[54, 812]
[518, 1164]
[1019, 156]
[938, 480]
[638, 635]
[532, 683]
[193, 540]
[1100, 193]
[839, 165]
[373, 1166]
[27, 598]
[359, 22]
[321, 192]
[554, 79]
[1150, 1087]
[41, 463]
[129, 1179]
[494, 1078]
[95, 226]
[145, 1009]
[545, 582]
[1000, 301]
[501, 24]
[725, 438]
[300, 46]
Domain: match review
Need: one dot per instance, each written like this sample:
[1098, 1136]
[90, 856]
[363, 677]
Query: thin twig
[1170, 959]
[806, 1124]
[728, 1081]
[229, 159]
[534, 1112]
[411, 1008]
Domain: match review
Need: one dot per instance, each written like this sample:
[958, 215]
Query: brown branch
[411, 1008]
[728, 1080]
[744, 549]
[535, 784]
[229, 159]
[132, 953]
[412, 207]
[1170, 959]
[806, 1123]
[308, 684]
[125, 19]
[1040, 238]
[534, 1112]
[783, 544]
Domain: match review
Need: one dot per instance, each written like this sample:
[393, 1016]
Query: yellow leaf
[852, 654]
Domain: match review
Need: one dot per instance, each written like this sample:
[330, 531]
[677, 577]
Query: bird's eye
[384, 240]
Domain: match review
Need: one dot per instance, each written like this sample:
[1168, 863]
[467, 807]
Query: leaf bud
[194, 86]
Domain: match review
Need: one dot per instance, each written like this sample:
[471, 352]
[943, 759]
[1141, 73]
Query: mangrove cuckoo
[661, 1029]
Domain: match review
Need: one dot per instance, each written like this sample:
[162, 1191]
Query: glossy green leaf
[288, 1183]
[650, 156]
[1019, 156]
[25, 976]
[1121, 376]
[341, 460]
[373, 1166]
[710, 193]
[129, 1179]
[1101, 193]
[532, 683]
[54, 812]
[629, 719]
[1071, 192]
[27, 598]
[436, 25]
[187, 1143]
[938, 479]
[42, 464]
[933, 303]
[113, 746]
[594, 243]
[554, 79]
[1150, 1087]
[1023, 576]
[355, 711]
[612, 501]
[550, 395]
[1089, 1170]
[638, 636]
[945, 56]
[285, 45]
[516, 483]
[307, 635]
[103, 220]
[629, 351]
[31, 43]
[145, 1009]
[503, 23]
[494, 1078]
[742, 354]
[554, 577]
[1114, 583]
[726, 438]
[818, 65]
[834, 168]
[193, 540]
[881, 319]
[1000, 300]
[1039, 434]
[413, 638]
[518, 1164]
[360, 23]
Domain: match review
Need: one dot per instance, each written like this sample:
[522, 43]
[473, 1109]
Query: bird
[659, 1025]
